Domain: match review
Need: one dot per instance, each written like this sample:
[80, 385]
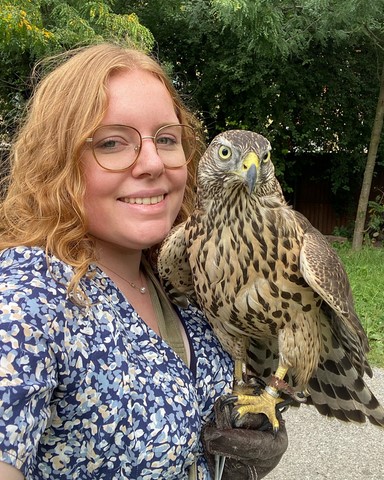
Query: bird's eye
[266, 156]
[225, 153]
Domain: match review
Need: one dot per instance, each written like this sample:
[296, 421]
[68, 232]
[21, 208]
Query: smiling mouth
[144, 200]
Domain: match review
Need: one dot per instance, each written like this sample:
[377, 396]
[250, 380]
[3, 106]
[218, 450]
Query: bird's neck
[224, 202]
[271, 194]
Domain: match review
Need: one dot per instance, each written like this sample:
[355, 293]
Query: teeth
[144, 201]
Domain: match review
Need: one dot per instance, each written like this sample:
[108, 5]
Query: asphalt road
[321, 448]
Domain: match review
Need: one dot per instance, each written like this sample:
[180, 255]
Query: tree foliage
[30, 29]
[305, 73]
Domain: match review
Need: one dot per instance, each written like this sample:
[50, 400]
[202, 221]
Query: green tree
[303, 73]
[374, 143]
[353, 23]
[30, 30]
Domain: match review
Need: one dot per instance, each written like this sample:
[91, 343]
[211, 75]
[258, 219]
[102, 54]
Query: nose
[148, 162]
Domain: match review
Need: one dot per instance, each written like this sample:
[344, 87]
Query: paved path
[321, 448]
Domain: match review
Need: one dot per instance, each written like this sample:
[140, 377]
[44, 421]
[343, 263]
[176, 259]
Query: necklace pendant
[132, 284]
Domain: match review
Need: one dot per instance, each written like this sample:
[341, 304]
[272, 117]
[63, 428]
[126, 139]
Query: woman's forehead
[137, 95]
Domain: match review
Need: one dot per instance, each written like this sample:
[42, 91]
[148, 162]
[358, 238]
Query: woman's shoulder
[25, 262]
[195, 321]
[21, 256]
[21, 265]
[29, 271]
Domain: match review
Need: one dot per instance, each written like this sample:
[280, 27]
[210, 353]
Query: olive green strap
[168, 321]
[193, 472]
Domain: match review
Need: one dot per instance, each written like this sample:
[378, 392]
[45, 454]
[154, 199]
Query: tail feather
[344, 396]
[336, 389]
[355, 344]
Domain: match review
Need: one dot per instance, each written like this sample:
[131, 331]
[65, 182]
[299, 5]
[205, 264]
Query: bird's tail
[337, 389]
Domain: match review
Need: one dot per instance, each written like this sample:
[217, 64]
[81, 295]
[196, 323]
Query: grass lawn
[366, 274]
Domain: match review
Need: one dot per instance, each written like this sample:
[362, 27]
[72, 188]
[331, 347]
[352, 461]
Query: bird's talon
[300, 397]
[284, 405]
[236, 415]
[230, 399]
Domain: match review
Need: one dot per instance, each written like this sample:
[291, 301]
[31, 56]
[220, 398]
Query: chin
[149, 239]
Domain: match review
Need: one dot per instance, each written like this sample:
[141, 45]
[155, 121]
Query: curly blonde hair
[44, 202]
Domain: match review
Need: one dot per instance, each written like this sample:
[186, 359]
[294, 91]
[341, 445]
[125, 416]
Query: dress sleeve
[27, 379]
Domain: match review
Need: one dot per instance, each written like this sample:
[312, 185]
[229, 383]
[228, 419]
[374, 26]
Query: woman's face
[134, 209]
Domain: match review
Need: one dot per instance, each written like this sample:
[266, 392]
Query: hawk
[271, 286]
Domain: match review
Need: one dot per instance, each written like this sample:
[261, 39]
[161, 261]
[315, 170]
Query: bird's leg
[238, 372]
[273, 387]
[266, 402]
[240, 386]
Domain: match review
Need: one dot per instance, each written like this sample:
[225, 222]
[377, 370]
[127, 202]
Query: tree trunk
[361, 214]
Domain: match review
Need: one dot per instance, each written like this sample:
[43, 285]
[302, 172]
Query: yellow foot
[264, 403]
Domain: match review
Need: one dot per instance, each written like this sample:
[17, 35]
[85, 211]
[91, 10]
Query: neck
[121, 261]
[138, 284]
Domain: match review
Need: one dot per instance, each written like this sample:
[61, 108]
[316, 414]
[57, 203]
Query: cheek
[179, 180]
[93, 188]
[98, 187]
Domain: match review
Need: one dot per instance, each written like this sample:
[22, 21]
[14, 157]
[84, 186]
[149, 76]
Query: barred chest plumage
[249, 264]
[269, 283]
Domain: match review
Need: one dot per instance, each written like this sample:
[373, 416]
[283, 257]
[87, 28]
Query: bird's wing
[174, 269]
[322, 269]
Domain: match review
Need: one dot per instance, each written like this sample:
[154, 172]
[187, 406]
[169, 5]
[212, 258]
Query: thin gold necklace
[132, 284]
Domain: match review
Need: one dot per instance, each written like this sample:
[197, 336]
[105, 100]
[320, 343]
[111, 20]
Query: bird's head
[236, 159]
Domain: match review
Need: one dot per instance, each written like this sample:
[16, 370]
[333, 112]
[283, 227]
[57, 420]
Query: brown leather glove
[251, 448]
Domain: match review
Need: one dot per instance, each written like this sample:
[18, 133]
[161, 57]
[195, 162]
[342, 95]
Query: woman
[100, 377]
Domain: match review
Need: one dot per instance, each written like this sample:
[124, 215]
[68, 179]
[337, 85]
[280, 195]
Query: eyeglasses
[117, 147]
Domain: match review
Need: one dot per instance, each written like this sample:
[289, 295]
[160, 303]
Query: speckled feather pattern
[269, 283]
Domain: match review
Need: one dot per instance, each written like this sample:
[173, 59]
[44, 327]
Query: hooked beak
[250, 167]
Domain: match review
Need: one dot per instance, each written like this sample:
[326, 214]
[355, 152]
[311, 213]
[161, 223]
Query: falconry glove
[251, 448]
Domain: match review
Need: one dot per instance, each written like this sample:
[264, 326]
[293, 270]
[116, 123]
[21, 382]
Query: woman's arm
[7, 472]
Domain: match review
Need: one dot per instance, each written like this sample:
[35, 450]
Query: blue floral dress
[92, 392]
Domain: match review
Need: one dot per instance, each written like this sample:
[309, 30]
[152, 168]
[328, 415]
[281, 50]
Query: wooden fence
[314, 200]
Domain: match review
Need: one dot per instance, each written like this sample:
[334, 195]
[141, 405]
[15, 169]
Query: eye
[111, 144]
[225, 153]
[266, 156]
[166, 140]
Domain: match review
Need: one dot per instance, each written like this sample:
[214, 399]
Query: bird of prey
[270, 284]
